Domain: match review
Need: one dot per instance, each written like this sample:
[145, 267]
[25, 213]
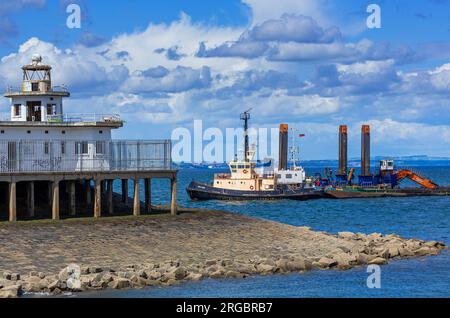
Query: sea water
[416, 217]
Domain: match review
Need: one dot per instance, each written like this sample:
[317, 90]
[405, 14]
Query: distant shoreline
[163, 250]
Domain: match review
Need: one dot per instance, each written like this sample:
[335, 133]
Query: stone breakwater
[164, 250]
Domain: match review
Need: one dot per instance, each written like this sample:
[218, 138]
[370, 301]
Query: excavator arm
[402, 174]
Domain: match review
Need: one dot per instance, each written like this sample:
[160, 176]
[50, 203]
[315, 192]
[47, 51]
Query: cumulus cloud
[69, 68]
[297, 38]
[162, 80]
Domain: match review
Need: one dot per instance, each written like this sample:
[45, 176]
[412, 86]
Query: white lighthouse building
[56, 140]
[40, 142]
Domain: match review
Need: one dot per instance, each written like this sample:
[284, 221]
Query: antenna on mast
[294, 148]
[245, 116]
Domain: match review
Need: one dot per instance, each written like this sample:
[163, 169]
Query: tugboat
[248, 182]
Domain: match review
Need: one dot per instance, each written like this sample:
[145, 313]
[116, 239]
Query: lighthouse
[42, 144]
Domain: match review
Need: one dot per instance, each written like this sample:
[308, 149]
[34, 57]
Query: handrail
[92, 117]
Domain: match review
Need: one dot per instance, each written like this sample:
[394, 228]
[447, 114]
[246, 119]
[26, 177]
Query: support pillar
[125, 191]
[173, 197]
[88, 193]
[55, 200]
[98, 198]
[137, 202]
[30, 198]
[72, 198]
[110, 196]
[148, 194]
[12, 202]
[49, 193]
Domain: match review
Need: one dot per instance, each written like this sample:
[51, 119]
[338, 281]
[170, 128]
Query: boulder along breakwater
[163, 250]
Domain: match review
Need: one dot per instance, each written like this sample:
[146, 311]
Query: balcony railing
[19, 89]
[76, 118]
[84, 156]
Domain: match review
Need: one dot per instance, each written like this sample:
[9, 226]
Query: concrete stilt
[30, 198]
[110, 196]
[72, 198]
[88, 192]
[137, 202]
[125, 191]
[12, 202]
[173, 197]
[49, 193]
[98, 198]
[148, 195]
[55, 200]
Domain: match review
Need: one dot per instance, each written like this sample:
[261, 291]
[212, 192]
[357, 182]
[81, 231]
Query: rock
[153, 275]
[394, 251]
[210, 262]
[84, 270]
[363, 258]
[7, 275]
[425, 251]
[233, 274]
[344, 260]
[33, 274]
[194, 276]
[325, 262]
[142, 273]
[378, 261]
[404, 252]
[126, 275]
[95, 269]
[120, 283]
[374, 236]
[41, 275]
[434, 244]
[178, 273]
[33, 284]
[15, 276]
[226, 262]
[11, 291]
[217, 274]
[344, 249]
[53, 285]
[291, 265]
[245, 268]
[269, 262]
[346, 235]
[265, 268]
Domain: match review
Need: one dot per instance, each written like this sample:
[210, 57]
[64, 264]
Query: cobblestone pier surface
[155, 250]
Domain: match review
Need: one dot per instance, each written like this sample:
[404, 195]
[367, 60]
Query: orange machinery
[402, 174]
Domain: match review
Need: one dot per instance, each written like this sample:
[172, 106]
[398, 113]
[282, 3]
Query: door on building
[12, 156]
[33, 111]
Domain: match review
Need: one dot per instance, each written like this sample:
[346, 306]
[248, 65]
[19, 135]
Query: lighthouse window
[17, 109]
[46, 148]
[34, 87]
[51, 109]
[100, 147]
[288, 176]
[63, 147]
[81, 148]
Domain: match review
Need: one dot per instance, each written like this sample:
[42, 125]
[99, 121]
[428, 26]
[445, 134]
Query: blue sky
[312, 64]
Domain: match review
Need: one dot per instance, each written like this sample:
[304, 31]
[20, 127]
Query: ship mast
[245, 116]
